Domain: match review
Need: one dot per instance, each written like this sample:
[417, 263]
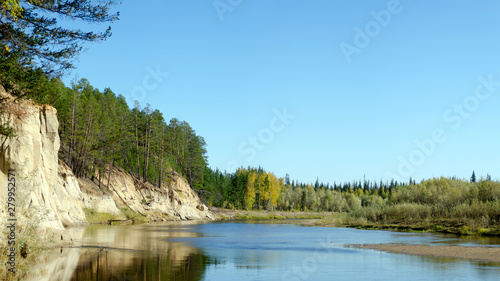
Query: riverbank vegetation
[227, 214]
[442, 204]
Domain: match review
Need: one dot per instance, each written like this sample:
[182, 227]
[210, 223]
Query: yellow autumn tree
[274, 190]
[263, 189]
[359, 192]
[249, 198]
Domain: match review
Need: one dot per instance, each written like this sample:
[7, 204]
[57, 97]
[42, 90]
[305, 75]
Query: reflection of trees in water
[105, 265]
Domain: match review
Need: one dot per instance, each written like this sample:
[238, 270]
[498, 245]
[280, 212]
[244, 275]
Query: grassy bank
[459, 226]
[439, 205]
[227, 214]
[388, 221]
[128, 216]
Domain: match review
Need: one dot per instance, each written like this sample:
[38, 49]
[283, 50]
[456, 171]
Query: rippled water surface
[256, 251]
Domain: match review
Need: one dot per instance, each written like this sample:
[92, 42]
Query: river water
[245, 250]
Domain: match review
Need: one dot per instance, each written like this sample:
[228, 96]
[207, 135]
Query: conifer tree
[37, 38]
[473, 177]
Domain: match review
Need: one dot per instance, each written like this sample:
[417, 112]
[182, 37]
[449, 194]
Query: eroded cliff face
[42, 196]
[173, 201]
[49, 196]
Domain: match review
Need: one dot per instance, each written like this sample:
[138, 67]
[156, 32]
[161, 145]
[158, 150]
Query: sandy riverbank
[460, 252]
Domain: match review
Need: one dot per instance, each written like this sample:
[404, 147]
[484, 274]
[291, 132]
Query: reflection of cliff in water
[139, 252]
[106, 264]
[129, 252]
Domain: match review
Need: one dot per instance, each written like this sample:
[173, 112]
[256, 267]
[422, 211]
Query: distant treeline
[441, 204]
[254, 188]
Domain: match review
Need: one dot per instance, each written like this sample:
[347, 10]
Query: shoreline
[486, 254]
[329, 219]
[314, 219]
[227, 214]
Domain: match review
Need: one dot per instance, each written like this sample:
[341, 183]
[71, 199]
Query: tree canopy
[42, 37]
[99, 131]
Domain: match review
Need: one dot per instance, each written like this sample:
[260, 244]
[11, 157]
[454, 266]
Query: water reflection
[55, 264]
[137, 252]
[250, 251]
[140, 252]
[111, 264]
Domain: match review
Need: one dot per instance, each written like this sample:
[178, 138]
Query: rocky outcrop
[173, 201]
[47, 194]
[50, 196]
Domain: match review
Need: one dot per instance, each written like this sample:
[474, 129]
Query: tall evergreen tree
[473, 177]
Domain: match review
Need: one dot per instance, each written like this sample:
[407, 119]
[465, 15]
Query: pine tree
[473, 177]
[287, 179]
[136, 119]
[36, 40]
[303, 200]
[29, 26]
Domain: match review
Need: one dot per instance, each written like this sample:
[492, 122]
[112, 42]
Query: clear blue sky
[359, 101]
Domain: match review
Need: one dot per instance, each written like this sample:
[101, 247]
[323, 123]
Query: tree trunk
[72, 139]
[161, 161]
[146, 149]
[83, 153]
[110, 167]
[137, 146]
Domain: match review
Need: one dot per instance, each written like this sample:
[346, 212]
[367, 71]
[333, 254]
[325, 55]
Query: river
[246, 250]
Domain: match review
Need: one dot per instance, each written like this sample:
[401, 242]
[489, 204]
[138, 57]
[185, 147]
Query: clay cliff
[51, 198]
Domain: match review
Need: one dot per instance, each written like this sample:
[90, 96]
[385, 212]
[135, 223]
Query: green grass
[457, 226]
[94, 217]
[258, 217]
[136, 217]
[27, 238]
[265, 215]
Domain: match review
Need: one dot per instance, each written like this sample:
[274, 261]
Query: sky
[328, 90]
